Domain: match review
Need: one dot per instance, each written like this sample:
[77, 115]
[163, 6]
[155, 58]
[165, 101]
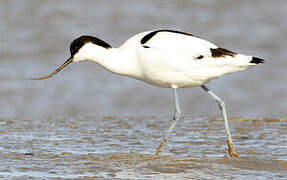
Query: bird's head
[80, 49]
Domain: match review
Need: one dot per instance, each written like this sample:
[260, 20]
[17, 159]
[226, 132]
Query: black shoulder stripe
[221, 52]
[147, 37]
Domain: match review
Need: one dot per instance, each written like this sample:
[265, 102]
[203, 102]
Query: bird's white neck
[112, 59]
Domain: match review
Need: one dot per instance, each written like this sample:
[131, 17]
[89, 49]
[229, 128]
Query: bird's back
[168, 58]
[188, 44]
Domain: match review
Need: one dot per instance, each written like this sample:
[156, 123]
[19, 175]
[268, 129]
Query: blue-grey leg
[177, 115]
[221, 105]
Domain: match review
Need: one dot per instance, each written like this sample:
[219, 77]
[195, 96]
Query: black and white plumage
[164, 58]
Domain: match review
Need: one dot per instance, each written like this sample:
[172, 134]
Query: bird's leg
[221, 105]
[177, 115]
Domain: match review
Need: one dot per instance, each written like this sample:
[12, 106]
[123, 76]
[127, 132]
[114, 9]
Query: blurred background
[35, 38]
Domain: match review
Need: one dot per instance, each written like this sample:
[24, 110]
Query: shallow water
[117, 147]
[87, 122]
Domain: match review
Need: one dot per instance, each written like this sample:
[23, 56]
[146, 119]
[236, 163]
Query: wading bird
[164, 58]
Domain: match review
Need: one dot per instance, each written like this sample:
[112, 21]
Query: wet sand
[123, 147]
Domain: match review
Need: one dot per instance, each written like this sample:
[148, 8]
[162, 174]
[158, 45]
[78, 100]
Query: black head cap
[80, 41]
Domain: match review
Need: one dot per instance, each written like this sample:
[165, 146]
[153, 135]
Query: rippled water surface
[87, 122]
[123, 147]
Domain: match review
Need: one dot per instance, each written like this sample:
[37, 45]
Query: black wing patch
[221, 52]
[149, 36]
[200, 57]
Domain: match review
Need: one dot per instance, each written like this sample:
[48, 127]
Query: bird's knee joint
[221, 104]
[177, 115]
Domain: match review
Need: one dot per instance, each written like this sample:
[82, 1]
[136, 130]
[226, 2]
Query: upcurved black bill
[56, 71]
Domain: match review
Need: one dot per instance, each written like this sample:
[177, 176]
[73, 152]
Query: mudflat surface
[123, 147]
[35, 38]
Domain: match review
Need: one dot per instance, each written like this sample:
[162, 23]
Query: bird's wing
[191, 46]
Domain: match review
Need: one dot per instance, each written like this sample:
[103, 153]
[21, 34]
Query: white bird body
[169, 61]
[164, 58]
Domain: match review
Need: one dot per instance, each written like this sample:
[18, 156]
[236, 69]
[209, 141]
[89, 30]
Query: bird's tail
[256, 60]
